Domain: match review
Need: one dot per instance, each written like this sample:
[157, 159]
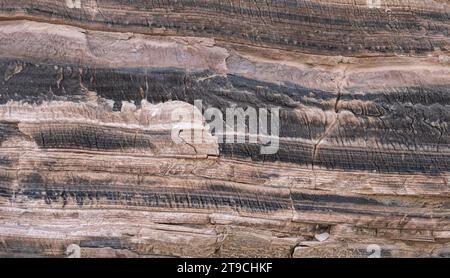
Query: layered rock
[88, 157]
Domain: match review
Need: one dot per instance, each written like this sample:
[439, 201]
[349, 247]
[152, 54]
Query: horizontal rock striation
[88, 154]
[362, 27]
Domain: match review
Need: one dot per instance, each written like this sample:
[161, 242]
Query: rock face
[89, 164]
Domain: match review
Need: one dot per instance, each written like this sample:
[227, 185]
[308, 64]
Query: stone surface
[88, 160]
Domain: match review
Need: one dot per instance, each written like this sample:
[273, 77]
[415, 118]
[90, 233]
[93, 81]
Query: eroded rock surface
[87, 154]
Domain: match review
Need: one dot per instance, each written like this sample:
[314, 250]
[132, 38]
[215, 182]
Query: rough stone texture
[86, 154]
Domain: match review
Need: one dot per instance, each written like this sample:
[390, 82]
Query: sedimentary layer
[88, 156]
[361, 27]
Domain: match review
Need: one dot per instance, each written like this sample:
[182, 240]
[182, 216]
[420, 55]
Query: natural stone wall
[87, 156]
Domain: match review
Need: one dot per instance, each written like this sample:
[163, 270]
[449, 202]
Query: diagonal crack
[339, 86]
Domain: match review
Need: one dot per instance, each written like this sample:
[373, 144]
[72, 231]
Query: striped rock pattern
[87, 154]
